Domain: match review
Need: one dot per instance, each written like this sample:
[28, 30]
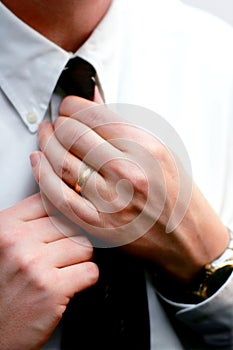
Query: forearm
[206, 305]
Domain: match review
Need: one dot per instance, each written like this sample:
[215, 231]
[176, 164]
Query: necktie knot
[78, 78]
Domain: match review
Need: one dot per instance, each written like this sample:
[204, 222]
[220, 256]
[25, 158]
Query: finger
[69, 251]
[66, 165]
[30, 208]
[85, 143]
[108, 124]
[98, 99]
[54, 228]
[74, 104]
[96, 116]
[76, 278]
[66, 200]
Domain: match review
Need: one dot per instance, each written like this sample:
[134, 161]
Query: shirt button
[32, 117]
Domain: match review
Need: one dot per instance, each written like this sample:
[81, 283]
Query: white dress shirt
[159, 54]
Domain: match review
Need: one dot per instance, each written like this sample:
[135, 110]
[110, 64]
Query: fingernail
[35, 159]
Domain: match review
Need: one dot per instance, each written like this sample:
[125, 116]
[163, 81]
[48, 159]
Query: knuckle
[58, 312]
[6, 241]
[41, 138]
[66, 204]
[89, 252]
[160, 152]
[84, 244]
[64, 169]
[42, 172]
[25, 263]
[92, 272]
[92, 115]
[139, 181]
[9, 239]
[75, 135]
[30, 266]
[136, 176]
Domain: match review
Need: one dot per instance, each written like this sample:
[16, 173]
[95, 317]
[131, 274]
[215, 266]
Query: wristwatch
[209, 280]
[216, 273]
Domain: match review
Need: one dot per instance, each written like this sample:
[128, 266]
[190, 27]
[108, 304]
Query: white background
[221, 8]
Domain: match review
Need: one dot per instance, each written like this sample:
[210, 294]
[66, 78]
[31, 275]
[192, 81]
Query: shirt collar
[31, 64]
[23, 54]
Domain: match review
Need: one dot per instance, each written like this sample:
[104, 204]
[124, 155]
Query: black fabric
[113, 314]
[78, 78]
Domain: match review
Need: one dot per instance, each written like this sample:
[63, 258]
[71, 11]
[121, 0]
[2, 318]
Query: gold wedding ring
[84, 174]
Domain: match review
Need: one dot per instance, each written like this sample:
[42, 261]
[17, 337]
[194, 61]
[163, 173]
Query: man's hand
[43, 262]
[129, 199]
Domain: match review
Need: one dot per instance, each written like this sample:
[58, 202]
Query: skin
[37, 276]
[182, 253]
[31, 269]
[67, 23]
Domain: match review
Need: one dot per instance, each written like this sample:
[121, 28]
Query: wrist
[206, 283]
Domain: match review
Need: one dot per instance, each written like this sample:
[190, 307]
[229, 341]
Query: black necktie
[78, 78]
[113, 314]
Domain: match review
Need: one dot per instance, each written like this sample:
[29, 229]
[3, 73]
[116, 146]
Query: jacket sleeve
[212, 319]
